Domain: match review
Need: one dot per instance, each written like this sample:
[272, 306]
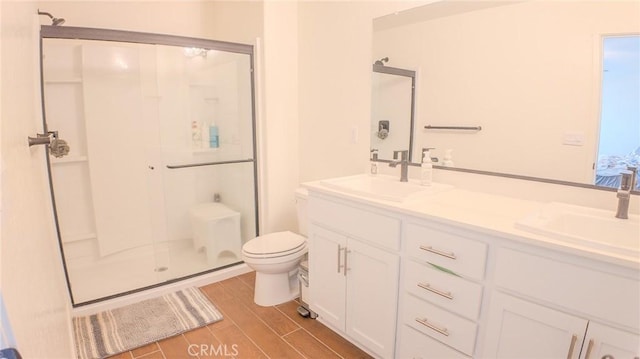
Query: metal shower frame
[85, 33]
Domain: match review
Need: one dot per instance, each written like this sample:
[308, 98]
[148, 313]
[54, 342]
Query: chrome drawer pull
[346, 251]
[589, 349]
[438, 252]
[574, 338]
[424, 322]
[428, 287]
[339, 250]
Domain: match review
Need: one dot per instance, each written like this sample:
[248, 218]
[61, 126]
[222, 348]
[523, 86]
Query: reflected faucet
[627, 184]
[404, 164]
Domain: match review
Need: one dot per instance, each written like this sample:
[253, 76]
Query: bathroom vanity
[450, 273]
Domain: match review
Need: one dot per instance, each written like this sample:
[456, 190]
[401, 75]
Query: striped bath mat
[132, 326]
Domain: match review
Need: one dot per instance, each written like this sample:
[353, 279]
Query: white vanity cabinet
[602, 340]
[353, 272]
[520, 329]
[547, 308]
[426, 281]
[440, 297]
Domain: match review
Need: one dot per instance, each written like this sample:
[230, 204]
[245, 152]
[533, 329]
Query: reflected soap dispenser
[373, 165]
[448, 158]
[426, 168]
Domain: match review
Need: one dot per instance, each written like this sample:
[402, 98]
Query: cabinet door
[327, 275]
[372, 295]
[605, 342]
[520, 329]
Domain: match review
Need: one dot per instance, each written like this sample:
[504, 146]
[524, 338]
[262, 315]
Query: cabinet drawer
[579, 288]
[416, 345]
[463, 256]
[448, 291]
[355, 222]
[439, 324]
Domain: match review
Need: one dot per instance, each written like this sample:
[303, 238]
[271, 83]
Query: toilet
[275, 257]
[216, 230]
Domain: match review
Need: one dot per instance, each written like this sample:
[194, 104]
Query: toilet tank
[301, 207]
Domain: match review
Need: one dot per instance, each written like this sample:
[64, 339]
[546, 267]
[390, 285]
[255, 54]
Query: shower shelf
[204, 150]
[63, 80]
[69, 159]
[66, 238]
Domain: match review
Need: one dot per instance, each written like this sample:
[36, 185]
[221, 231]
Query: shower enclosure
[160, 180]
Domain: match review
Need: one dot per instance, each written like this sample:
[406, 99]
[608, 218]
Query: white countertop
[491, 214]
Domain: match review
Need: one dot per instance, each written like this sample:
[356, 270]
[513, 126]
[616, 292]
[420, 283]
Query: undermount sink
[592, 227]
[383, 187]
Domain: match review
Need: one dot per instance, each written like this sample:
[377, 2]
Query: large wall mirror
[517, 87]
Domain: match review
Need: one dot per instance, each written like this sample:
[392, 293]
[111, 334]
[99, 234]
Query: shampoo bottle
[196, 135]
[213, 136]
[426, 168]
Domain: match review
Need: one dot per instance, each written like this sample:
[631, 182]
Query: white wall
[335, 84]
[235, 21]
[32, 279]
[280, 119]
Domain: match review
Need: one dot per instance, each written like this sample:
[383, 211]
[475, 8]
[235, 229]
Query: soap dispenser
[447, 160]
[426, 168]
[373, 165]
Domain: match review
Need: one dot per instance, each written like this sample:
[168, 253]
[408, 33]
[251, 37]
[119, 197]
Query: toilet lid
[274, 243]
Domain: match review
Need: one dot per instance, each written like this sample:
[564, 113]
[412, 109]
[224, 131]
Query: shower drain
[160, 269]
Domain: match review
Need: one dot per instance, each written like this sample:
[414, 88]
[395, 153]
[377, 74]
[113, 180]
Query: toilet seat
[274, 245]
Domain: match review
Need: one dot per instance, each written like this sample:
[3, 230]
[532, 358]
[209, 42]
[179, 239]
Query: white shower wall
[32, 280]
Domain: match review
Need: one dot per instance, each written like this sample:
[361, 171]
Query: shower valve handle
[42, 138]
[57, 147]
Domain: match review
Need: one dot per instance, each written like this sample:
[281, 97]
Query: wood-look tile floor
[250, 331]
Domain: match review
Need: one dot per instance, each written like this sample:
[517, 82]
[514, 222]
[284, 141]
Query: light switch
[354, 135]
[573, 139]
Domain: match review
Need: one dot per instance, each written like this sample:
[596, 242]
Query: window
[619, 144]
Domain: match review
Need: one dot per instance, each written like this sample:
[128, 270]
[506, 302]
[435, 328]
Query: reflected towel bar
[207, 164]
[469, 128]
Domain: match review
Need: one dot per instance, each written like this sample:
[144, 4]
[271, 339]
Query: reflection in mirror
[528, 73]
[392, 102]
[619, 146]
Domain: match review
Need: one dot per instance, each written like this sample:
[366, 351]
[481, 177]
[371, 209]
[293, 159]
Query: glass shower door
[160, 180]
[208, 161]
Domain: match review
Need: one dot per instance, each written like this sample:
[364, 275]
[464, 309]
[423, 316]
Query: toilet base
[274, 289]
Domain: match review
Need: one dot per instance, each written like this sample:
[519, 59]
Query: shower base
[93, 277]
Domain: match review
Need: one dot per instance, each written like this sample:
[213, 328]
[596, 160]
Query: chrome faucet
[627, 183]
[404, 164]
